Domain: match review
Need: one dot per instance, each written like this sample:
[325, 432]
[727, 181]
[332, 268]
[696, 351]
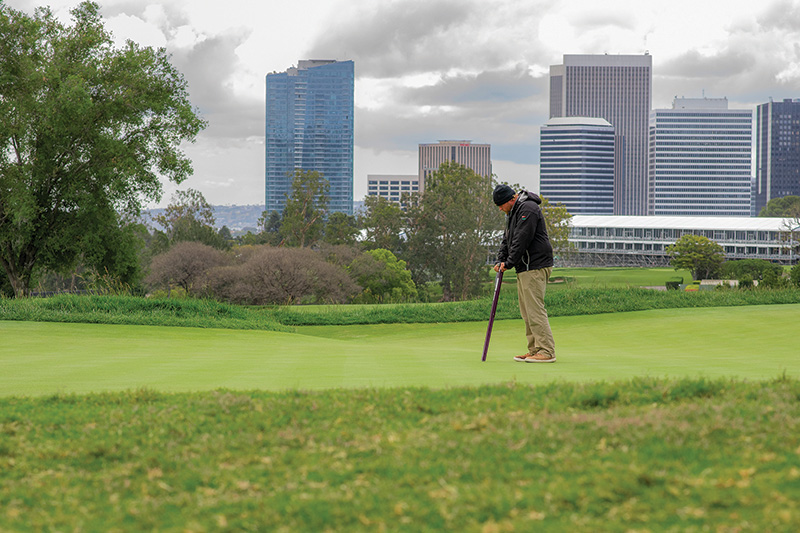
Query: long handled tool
[497, 283]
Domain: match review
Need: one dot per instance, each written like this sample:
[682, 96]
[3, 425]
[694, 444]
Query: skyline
[440, 69]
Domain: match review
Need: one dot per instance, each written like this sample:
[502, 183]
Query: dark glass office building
[777, 152]
[310, 127]
[577, 164]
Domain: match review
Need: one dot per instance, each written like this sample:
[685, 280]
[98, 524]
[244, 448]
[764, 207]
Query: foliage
[450, 227]
[339, 254]
[383, 223]
[270, 275]
[794, 275]
[87, 131]
[383, 278]
[756, 268]
[774, 279]
[188, 218]
[135, 310]
[557, 220]
[785, 206]
[303, 219]
[633, 455]
[186, 265]
[341, 228]
[702, 256]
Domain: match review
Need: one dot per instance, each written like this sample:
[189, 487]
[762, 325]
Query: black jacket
[526, 245]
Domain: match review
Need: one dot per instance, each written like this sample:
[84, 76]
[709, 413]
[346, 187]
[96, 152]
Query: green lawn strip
[570, 301]
[620, 277]
[643, 455]
[45, 358]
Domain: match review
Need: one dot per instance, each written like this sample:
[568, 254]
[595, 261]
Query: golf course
[666, 411]
[39, 358]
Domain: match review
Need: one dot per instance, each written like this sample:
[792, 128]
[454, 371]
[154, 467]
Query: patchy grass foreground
[643, 455]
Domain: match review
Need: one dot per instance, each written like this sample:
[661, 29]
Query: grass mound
[682, 455]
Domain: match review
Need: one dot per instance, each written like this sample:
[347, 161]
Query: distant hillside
[235, 217]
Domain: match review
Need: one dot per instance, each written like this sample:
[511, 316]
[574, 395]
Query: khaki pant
[531, 286]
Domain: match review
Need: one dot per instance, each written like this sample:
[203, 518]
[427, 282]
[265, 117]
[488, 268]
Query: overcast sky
[428, 70]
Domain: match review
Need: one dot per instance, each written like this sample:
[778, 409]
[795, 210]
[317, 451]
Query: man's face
[506, 207]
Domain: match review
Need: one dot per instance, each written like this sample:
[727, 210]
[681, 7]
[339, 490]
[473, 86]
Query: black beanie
[502, 193]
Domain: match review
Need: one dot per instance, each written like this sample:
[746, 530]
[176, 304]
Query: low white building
[642, 240]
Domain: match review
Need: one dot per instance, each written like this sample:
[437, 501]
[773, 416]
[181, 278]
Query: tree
[304, 215]
[698, 254]
[87, 131]
[382, 277]
[186, 265]
[557, 220]
[450, 228]
[382, 222]
[341, 228]
[188, 218]
[786, 206]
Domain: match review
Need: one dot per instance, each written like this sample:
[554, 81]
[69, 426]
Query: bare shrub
[186, 265]
[272, 275]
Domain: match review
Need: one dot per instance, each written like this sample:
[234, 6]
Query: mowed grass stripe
[752, 342]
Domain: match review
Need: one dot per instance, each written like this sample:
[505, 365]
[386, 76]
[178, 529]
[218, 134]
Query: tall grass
[133, 310]
[210, 314]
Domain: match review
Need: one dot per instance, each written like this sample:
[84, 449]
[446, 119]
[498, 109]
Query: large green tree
[450, 229]
[785, 206]
[382, 222]
[303, 218]
[87, 131]
[698, 254]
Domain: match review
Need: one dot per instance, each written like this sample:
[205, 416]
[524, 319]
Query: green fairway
[752, 342]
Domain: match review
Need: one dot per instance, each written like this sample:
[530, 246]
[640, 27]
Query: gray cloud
[783, 15]
[495, 86]
[413, 36]
[393, 39]
[724, 64]
[208, 68]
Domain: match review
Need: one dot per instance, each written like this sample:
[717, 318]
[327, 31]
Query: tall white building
[478, 157]
[577, 164]
[618, 89]
[700, 160]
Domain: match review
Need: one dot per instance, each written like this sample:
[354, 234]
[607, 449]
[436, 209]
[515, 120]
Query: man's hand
[500, 267]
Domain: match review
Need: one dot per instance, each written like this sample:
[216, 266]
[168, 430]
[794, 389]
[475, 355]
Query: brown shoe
[539, 357]
[521, 358]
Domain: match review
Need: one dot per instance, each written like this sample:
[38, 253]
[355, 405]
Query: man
[526, 248]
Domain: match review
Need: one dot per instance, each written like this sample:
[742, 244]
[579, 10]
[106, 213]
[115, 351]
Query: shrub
[755, 268]
[794, 275]
[186, 265]
[383, 277]
[270, 275]
[774, 279]
[746, 282]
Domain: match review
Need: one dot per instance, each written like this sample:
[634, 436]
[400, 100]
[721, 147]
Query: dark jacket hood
[528, 196]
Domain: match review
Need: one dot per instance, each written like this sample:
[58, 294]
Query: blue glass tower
[310, 127]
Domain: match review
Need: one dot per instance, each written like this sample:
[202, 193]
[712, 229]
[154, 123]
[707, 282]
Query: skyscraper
[577, 164]
[700, 159]
[478, 157]
[310, 127]
[616, 88]
[777, 151]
